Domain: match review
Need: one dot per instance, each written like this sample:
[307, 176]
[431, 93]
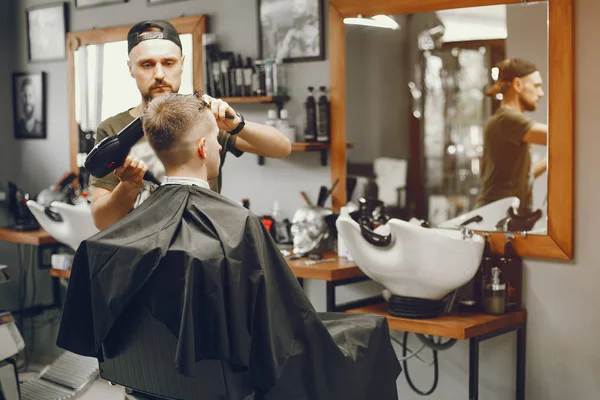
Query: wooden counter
[35, 238]
[455, 326]
[328, 271]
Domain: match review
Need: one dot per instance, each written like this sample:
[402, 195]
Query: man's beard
[528, 106]
[150, 94]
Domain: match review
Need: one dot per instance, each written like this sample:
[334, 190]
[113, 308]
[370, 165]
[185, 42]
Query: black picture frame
[29, 90]
[279, 12]
[159, 2]
[47, 32]
[79, 4]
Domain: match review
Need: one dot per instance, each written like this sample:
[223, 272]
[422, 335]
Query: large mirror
[100, 85]
[458, 114]
[429, 138]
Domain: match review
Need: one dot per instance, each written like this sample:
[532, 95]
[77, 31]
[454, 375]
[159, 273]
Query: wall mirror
[99, 83]
[410, 86]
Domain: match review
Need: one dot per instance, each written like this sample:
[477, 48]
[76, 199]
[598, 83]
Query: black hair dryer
[112, 151]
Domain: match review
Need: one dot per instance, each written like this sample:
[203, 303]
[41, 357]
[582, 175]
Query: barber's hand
[219, 108]
[131, 173]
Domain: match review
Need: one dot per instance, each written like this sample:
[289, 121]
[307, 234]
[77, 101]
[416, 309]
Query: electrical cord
[405, 366]
[429, 342]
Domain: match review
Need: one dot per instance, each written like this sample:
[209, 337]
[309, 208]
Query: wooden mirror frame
[196, 25]
[558, 243]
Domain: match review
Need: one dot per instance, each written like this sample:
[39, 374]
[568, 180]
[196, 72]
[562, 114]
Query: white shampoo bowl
[419, 262]
[76, 225]
[491, 213]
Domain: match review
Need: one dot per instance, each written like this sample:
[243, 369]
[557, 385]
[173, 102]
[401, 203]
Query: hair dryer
[112, 151]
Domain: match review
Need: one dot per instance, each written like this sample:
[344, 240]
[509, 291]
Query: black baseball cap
[167, 32]
[508, 70]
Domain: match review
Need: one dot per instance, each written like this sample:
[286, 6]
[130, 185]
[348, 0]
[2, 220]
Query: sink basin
[418, 262]
[491, 214]
[76, 224]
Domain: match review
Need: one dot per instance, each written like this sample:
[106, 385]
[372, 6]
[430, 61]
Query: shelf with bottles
[279, 100]
[315, 146]
[322, 147]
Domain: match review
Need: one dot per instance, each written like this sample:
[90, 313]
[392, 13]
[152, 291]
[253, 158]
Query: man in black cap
[506, 168]
[156, 64]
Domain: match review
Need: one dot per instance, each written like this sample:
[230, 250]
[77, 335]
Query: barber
[156, 64]
[506, 168]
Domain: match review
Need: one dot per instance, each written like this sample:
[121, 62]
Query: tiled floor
[99, 390]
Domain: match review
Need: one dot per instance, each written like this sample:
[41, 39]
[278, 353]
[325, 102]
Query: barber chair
[139, 354]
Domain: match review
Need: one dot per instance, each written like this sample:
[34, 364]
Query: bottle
[284, 126]
[310, 133]
[495, 294]
[239, 77]
[210, 48]
[217, 80]
[250, 78]
[280, 83]
[323, 117]
[281, 234]
[225, 83]
[272, 119]
[233, 67]
[269, 66]
[261, 89]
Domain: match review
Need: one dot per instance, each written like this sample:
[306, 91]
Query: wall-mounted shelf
[279, 100]
[313, 146]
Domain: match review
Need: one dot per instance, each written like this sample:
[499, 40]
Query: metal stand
[474, 360]
[331, 303]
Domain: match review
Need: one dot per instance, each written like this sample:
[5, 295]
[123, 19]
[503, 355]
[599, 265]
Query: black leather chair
[139, 354]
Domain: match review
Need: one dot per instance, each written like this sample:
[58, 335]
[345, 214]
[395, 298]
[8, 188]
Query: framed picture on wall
[291, 30]
[46, 32]
[29, 105]
[152, 2]
[95, 3]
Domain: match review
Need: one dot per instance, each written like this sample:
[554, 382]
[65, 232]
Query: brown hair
[168, 119]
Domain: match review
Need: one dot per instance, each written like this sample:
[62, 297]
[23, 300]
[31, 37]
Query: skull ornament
[309, 228]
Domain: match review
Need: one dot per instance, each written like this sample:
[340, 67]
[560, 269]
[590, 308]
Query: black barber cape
[230, 296]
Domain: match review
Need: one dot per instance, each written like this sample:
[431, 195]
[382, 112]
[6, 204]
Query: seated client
[219, 284]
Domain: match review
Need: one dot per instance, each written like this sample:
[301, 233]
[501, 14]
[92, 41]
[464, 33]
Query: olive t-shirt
[144, 152]
[506, 161]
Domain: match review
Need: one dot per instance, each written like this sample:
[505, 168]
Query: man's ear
[518, 85]
[129, 66]
[202, 148]
[182, 61]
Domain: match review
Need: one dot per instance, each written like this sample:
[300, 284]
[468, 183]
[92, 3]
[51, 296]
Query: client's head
[183, 132]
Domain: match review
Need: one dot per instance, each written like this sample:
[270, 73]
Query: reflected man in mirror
[506, 168]
[29, 125]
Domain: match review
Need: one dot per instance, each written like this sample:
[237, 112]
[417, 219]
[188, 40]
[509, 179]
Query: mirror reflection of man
[28, 125]
[156, 63]
[506, 167]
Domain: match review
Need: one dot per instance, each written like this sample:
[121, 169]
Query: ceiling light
[377, 21]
